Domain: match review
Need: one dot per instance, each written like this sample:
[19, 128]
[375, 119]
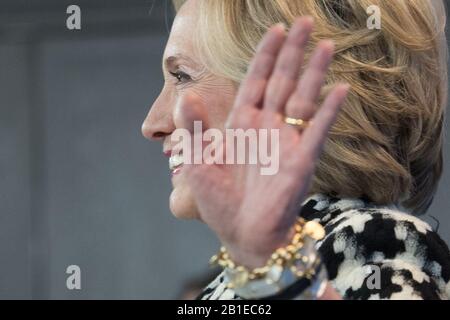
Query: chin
[182, 203]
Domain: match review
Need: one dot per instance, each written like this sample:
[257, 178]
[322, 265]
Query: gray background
[78, 183]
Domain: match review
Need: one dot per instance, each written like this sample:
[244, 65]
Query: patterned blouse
[413, 262]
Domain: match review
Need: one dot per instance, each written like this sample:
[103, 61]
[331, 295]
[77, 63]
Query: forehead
[183, 28]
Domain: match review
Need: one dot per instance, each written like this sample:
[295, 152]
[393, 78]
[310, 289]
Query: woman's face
[184, 73]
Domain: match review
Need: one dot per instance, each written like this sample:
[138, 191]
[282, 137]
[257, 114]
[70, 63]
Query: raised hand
[253, 214]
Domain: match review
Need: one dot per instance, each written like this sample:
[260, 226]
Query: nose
[159, 121]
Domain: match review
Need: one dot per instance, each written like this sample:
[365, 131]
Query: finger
[287, 69]
[252, 88]
[302, 104]
[204, 179]
[206, 182]
[314, 136]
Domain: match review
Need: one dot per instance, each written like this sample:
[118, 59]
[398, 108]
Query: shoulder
[399, 243]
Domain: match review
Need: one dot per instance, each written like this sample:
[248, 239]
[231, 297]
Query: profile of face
[184, 74]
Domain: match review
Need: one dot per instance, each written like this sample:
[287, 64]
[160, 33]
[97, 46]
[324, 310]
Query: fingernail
[328, 43]
[309, 19]
[280, 26]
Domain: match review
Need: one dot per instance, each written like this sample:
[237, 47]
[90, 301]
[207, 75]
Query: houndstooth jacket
[413, 261]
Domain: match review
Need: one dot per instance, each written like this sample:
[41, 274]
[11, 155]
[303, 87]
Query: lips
[175, 161]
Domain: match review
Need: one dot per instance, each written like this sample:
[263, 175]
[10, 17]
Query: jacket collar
[323, 208]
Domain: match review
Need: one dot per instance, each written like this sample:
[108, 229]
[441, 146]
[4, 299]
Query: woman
[361, 174]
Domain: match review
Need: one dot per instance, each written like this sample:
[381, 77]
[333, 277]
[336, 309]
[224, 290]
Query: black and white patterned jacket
[413, 261]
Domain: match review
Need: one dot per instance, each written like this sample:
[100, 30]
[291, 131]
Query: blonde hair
[386, 144]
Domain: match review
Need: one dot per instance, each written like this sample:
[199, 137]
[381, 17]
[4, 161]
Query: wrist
[293, 267]
[255, 256]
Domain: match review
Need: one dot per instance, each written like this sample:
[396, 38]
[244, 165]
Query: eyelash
[181, 76]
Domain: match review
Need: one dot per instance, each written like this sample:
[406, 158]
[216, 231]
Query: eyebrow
[172, 60]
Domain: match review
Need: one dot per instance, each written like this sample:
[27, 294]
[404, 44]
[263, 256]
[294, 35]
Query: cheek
[218, 98]
[219, 109]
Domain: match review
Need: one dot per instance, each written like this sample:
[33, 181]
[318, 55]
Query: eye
[181, 76]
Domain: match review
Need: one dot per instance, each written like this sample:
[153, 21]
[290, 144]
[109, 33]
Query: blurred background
[79, 185]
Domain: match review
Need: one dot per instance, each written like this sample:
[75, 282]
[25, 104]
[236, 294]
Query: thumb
[207, 181]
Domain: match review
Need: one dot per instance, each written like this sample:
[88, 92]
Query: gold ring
[300, 123]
